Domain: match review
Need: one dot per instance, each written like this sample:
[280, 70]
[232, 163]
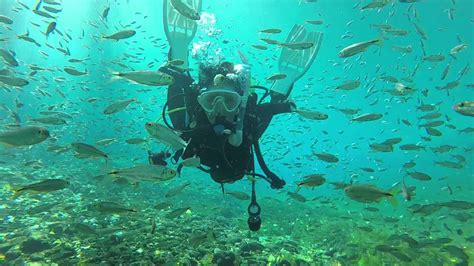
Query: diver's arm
[267, 110]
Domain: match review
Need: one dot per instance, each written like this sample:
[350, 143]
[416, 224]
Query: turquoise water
[329, 228]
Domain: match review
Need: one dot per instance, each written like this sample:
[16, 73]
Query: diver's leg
[295, 63]
[179, 30]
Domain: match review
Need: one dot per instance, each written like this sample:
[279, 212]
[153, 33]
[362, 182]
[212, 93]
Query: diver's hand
[277, 183]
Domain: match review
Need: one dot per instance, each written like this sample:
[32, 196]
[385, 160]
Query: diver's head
[222, 92]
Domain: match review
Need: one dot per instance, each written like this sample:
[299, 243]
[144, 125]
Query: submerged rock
[251, 247]
[224, 258]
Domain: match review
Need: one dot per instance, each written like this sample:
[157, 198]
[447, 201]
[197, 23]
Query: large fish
[165, 135]
[87, 151]
[118, 106]
[44, 186]
[357, 48]
[8, 57]
[368, 193]
[465, 108]
[185, 9]
[23, 136]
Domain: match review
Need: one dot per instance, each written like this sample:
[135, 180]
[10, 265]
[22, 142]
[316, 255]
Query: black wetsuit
[227, 163]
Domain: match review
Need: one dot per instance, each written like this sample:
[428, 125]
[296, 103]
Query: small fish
[185, 10]
[105, 142]
[259, 47]
[177, 212]
[43, 14]
[458, 48]
[465, 108]
[367, 117]
[403, 49]
[312, 181]
[406, 194]
[314, 22]
[278, 76]
[118, 106]
[238, 195]
[297, 45]
[270, 41]
[135, 141]
[420, 176]
[125, 34]
[51, 28]
[111, 207]
[44, 186]
[105, 13]
[327, 157]
[24, 136]
[5, 20]
[357, 48]
[411, 147]
[176, 190]
[313, 115]
[297, 196]
[433, 132]
[50, 120]
[74, 72]
[88, 151]
[434, 58]
[8, 57]
[349, 85]
[369, 193]
[150, 78]
[271, 31]
[137, 173]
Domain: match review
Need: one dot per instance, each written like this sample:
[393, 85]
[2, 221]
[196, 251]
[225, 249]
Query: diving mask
[220, 101]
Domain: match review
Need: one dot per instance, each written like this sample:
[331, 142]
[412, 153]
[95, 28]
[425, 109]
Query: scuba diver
[220, 116]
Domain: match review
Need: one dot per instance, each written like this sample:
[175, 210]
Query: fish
[380, 147]
[427, 209]
[419, 176]
[27, 38]
[52, 9]
[448, 164]
[404, 49]
[297, 45]
[270, 41]
[314, 22]
[458, 48]
[5, 20]
[105, 13]
[357, 48]
[296, 196]
[51, 28]
[105, 142]
[165, 135]
[312, 181]
[405, 192]
[339, 185]
[82, 229]
[327, 157]
[144, 172]
[465, 108]
[238, 195]
[368, 193]
[124, 34]
[411, 147]
[313, 115]
[50, 120]
[176, 190]
[45, 186]
[271, 31]
[349, 85]
[150, 78]
[434, 58]
[433, 132]
[259, 47]
[13, 81]
[110, 207]
[43, 14]
[88, 151]
[376, 4]
[177, 212]
[392, 141]
[278, 76]
[185, 10]
[74, 72]
[135, 141]
[118, 106]
[197, 239]
[24, 136]
[367, 117]
[162, 205]
[8, 57]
